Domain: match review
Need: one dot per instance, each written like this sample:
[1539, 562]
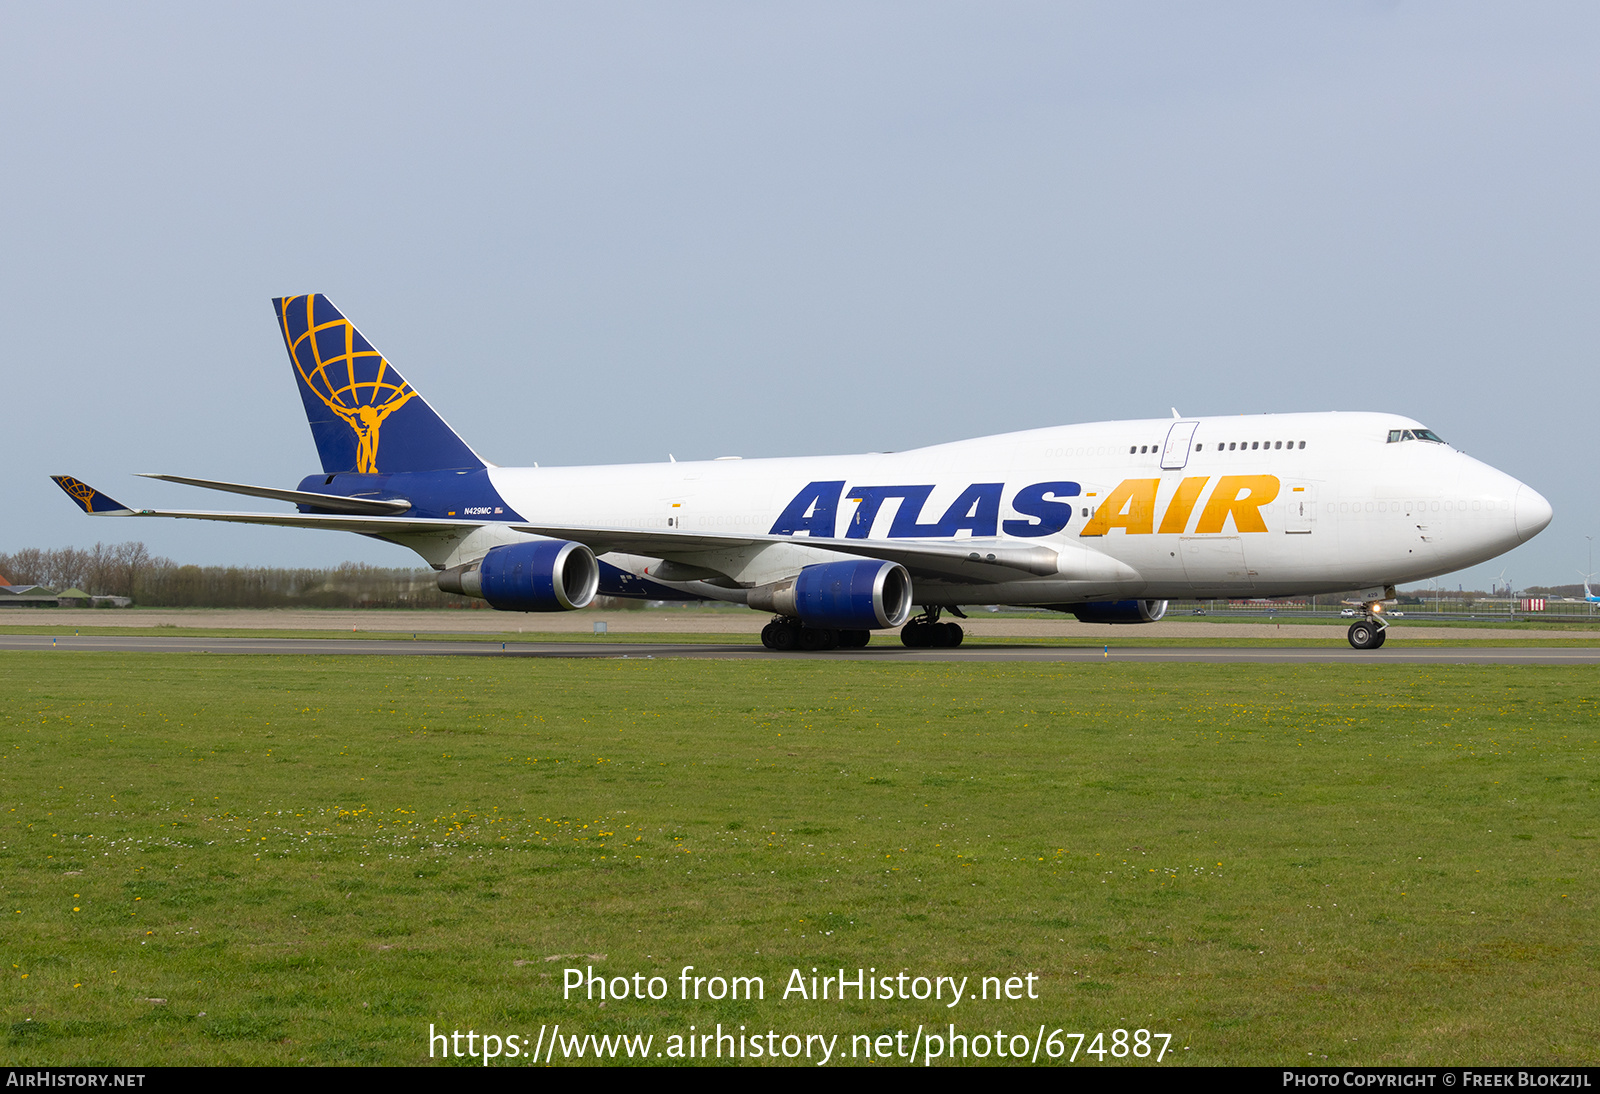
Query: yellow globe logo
[356, 383]
[80, 490]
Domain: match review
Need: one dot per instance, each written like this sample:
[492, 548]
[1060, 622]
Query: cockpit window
[1396, 435]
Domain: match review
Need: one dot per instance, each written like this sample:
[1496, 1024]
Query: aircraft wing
[973, 560]
[977, 561]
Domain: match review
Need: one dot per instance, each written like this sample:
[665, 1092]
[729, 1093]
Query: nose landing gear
[1369, 631]
[1367, 634]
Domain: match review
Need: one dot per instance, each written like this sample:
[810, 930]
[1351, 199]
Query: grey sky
[602, 233]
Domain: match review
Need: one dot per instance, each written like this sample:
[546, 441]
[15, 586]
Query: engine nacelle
[1119, 611]
[548, 576]
[861, 595]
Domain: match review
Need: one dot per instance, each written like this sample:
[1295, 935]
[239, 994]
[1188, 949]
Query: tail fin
[364, 416]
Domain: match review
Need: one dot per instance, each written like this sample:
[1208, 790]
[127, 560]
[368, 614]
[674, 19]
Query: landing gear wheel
[779, 635]
[1365, 635]
[1383, 636]
[816, 639]
[920, 635]
[854, 640]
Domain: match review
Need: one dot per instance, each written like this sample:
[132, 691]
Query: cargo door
[1215, 564]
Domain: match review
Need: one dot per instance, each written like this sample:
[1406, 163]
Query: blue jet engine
[551, 575]
[846, 596]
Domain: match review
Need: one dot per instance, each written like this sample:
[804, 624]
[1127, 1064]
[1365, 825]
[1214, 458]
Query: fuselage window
[1277, 444]
[1231, 446]
[1302, 444]
[1255, 444]
[1198, 447]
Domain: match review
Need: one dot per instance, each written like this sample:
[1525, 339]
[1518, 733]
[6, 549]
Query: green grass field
[308, 859]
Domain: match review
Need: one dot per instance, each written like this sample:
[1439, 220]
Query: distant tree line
[128, 569]
[1554, 590]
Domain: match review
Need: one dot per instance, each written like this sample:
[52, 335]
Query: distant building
[42, 596]
[28, 596]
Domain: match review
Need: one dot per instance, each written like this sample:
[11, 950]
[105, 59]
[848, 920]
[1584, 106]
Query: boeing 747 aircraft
[1105, 521]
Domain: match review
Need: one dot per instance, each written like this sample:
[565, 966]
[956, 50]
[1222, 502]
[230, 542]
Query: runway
[880, 651]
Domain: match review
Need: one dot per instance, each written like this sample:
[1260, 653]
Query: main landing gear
[791, 634]
[926, 631]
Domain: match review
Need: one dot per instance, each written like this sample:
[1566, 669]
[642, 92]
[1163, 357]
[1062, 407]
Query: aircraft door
[1175, 453]
[1299, 508]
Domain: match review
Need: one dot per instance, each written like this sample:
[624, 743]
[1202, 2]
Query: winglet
[89, 499]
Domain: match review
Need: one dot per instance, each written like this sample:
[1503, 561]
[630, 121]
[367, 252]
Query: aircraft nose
[1532, 511]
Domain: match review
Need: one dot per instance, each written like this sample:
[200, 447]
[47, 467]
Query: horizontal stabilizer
[332, 503]
[336, 522]
[88, 498]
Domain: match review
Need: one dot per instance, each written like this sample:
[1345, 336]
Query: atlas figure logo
[1131, 507]
[343, 371]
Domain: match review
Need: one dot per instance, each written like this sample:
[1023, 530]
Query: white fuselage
[1345, 508]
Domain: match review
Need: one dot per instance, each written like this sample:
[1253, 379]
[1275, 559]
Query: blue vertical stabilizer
[364, 416]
